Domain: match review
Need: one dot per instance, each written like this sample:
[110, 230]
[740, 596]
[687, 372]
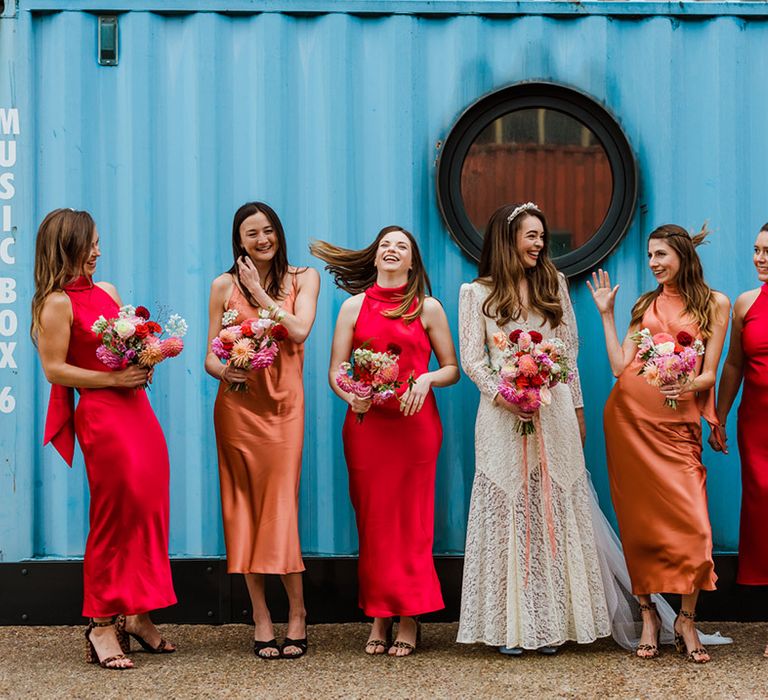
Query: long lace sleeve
[472, 342]
[569, 334]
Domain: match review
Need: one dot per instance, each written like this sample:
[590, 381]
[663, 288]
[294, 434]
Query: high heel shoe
[91, 655]
[698, 655]
[410, 648]
[653, 649]
[163, 647]
[301, 644]
[386, 643]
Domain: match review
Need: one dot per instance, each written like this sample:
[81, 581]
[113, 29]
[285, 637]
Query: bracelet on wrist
[276, 313]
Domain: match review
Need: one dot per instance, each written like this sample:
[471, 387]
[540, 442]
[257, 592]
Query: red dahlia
[279, 332]
[685, 339]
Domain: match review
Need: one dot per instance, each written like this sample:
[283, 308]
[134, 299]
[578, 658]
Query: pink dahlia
[170, 347]
[108, 358]
[527, 366]
[265, 357]
[388, 373]
[218, 349]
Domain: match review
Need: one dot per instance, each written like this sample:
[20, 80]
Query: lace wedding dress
[519, 591]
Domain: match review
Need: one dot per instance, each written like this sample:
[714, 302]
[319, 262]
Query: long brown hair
[697, 295]
[63, 245]
[279, 266]
[500, 261]
[354, 271]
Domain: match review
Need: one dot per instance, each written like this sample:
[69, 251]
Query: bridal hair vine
[519, 210]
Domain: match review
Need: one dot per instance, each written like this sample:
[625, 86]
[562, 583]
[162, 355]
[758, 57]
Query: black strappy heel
[300, 644]
[163, 646]
[258, 647]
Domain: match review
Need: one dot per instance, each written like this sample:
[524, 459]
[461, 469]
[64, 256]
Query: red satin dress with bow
[658, 483]
[126, 567]
[753, 447]
[392, 462]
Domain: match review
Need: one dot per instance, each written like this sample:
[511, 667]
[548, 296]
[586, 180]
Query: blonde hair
[63, 244]
[354, 271]
[500, 262]
[697, 295]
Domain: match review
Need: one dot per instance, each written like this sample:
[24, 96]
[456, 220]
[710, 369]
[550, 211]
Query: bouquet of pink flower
[370, 375]
[667, 360]
[132, 338]
[251, 344]
[531, 367]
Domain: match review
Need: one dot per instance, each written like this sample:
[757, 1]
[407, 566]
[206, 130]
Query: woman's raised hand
[249, 275]
[603, 294]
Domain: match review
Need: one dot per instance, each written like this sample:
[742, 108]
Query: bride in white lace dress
[519, 591]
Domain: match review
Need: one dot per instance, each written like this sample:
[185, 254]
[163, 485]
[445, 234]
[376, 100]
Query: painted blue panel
[336, 120]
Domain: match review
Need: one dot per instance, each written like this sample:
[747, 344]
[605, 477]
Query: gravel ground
[216, 662]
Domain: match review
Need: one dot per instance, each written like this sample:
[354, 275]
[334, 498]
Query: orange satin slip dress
[658, 483]
[259, 437]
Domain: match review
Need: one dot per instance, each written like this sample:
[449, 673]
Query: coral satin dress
[126, 567]
[658, 483]
[753, 447]
[392, 461]
[259, 436]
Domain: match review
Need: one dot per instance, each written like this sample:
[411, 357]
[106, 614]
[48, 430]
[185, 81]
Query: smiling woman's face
[530, 240]
[760, 256]
[89, 267]
[258, 237]
[394, 253]
[663, 261]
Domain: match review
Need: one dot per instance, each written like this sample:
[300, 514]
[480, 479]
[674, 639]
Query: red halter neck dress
[392, 462]
[753, 447]
[126, 567]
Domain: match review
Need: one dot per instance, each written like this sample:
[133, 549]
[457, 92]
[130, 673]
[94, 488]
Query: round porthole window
[548, 144]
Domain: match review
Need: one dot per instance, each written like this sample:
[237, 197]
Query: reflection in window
[544, 156]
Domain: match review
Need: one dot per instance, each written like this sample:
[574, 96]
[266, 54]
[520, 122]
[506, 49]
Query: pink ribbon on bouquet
[546, 485]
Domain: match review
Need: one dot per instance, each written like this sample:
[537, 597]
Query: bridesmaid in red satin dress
[392, 454]
[748, 360]
[658, 483]
[126, 568]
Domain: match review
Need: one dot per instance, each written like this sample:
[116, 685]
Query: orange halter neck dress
[658, 483]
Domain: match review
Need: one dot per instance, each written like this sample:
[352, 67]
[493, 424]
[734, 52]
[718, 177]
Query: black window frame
[536, 95]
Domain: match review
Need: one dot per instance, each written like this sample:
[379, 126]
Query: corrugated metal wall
[335, 119]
